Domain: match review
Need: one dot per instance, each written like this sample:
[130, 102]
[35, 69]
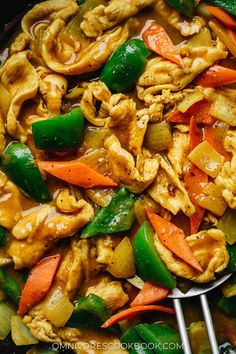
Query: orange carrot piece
[222, 16]
[201, 112]
[178, 117]
[173, 238]
[150, 293]
[216, 142]
[217, 76]
[76, 172]
[157, 40]
[135, 311]
[196, 134]
[195, 180]
[38, 282]
[232, 35]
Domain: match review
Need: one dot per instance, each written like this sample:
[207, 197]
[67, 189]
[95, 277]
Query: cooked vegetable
[43, 274]
[10, 286]
[6, 311]
[185, 7]
[227, 224]
[212, 199]
[232, 257]
[195, 180]
[60, 133]
[20, 333]
[19, 165]
[199, 338]
[178, 117]
[126, 65]
[216, 76]
[3, 236]
[134, 342]
[161, 335]
[116, 217]
[190, 100]
[195, 133]
[158, 136]
[215, 135]
[143, 203]
[150, 293]
[90, 311]
[157, 40]
[205, 157]
[232, 35]
[149, 265]
[224, 109]
[228, 305]
[229, 289]
[223, 35]
[57, 308]
[173, 238]
[122, 264]
[222, 15]
[135, 311]
[76, 172]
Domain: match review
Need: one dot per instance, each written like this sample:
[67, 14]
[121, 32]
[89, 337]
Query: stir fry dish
[117, 175]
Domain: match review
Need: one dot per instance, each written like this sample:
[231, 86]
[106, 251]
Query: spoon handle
[182, 326]
[209, 324]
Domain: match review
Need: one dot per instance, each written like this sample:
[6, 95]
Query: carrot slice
[232, 35]
[150, 293]
[157, 40]
[173, 238]
[135, 311]
[222, 16]
[201, 112]
[178, 117]
[196, 134]
[195, 180]
[217, 76]
[38, 282]
[76, 172]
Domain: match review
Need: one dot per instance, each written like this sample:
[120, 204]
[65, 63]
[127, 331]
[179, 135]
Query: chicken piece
[45, 331]
[73, 267]
[11, 201]
[174, 18]
[19, 44]
[169, 192]
[96, 92]
[39, 230]
[226, 179]
[177, 154]
[109, 290]
[48, 10]
[103, 17]
[230, 141]
[135, 178]
[104, 249]
[161, 74]
[52, 88]
[88, 59]
[2, 134]
[20, 80]
[138, 127]
[209, 248]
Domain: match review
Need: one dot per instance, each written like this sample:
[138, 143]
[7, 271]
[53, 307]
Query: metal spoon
[197, 290]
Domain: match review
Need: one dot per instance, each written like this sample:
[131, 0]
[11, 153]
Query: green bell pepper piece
[19, 165]
[10, 286]
[232, 258]
[134, 343]
[3, 236]
[185, 7]
[228, 305]
[116, 217]
[90, 311]
[162, 337]
[149, 264]
[60, 133]
[126, 65]
[227, 224]
[227, 5]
